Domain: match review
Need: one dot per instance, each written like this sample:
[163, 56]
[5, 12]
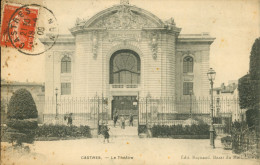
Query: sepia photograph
[130, 82]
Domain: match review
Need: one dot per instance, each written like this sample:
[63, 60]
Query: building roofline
[199, 38]
[62, 38]
[15, 83]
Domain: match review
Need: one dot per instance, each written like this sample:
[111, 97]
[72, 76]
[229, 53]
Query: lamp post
[146, 109]
[211, 76]
[191, 93]
[56, 93]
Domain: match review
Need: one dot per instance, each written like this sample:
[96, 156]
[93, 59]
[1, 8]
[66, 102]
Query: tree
[254, 69]
[249, 86]
[21, 117]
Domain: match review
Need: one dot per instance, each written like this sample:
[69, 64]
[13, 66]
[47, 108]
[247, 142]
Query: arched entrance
[125, 70]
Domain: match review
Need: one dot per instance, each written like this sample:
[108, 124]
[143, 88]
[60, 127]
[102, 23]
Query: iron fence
[151, 111]
[169, 111]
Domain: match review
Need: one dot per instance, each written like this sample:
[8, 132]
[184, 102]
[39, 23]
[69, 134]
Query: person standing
[115, 118]
[106, 133]
[122, 122]
[131, 119]
[70, 119]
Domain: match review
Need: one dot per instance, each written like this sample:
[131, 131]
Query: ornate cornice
[123, 16]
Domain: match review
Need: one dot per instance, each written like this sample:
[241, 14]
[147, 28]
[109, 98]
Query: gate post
[146, 113]
[138, 113]
[98, 116]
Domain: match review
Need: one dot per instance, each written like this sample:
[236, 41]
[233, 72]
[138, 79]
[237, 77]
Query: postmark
[27, 26]
[27, 23]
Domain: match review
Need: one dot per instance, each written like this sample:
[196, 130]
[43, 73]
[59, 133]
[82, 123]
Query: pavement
[123, 150]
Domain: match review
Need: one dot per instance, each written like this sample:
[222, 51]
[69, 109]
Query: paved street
[124, 150]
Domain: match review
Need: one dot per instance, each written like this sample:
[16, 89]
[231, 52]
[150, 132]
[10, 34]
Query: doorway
[124, 105]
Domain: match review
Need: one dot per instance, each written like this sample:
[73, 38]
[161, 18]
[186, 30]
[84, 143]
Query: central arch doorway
[125, 71]
[125, 105]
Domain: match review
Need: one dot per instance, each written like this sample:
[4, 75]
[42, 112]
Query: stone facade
[159, 45]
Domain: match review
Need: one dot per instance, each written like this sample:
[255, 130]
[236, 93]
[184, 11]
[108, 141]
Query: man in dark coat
[131, 119]
[115, 118]
[106, 133]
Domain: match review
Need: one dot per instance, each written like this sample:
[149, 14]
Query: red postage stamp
[18, 26]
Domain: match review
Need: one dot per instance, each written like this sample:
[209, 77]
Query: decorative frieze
[154, 44]
[124, 18]
[94, 39]
[65, 53]
[123, 36]
[188, 52]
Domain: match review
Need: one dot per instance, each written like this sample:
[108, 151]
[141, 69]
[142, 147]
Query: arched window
[125, 67]
[188, 65]
[65, 65]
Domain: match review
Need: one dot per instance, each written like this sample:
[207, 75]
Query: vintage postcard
[138, 82]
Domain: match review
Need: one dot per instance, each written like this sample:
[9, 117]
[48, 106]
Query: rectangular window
[187, 88]
[65, 88]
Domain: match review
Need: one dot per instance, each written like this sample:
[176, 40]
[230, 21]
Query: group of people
[106, 129]
[122, 120]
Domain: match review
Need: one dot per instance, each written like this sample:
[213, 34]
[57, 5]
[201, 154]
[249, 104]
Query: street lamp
[56, 93]
[191, 93]
[211, 76]
[146, 109]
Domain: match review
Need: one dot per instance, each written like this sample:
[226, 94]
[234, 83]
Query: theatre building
[125, 53]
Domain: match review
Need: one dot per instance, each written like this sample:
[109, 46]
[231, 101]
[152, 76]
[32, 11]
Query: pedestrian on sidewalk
[115, 118]
[70, 119]
[106, 133]
[131, 119]
[122, 122]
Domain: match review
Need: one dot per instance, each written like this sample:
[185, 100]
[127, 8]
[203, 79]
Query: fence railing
[150, 111]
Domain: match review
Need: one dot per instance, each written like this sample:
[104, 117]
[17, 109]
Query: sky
[234, 23]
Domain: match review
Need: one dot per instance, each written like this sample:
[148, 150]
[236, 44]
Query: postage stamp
[24, 26]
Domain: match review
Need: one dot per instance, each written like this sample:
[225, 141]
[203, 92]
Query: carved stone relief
[65, 53]
[154, 44]
[124, 18]
[94, 44]
[188, 52]
[153, 37]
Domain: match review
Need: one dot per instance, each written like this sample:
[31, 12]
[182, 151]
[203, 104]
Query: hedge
[51, 132]
[63, 131]
[168, 131]
[20, 124]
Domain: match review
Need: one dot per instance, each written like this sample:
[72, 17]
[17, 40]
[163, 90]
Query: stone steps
[117, 131]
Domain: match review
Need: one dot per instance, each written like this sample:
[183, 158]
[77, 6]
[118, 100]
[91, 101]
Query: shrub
[22, 118]
[167, 131]
[245, 140]
[227, 142]
[63, 131]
